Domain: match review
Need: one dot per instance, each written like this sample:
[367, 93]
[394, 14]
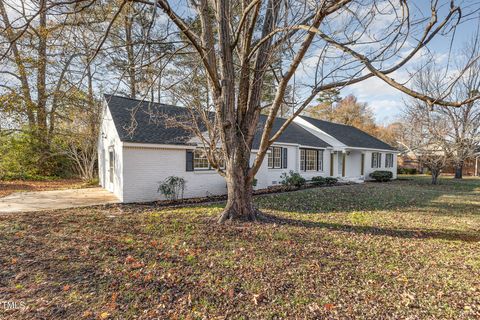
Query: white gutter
[156, 146]
[372, 149]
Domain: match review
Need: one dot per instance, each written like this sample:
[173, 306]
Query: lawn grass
[396, 250]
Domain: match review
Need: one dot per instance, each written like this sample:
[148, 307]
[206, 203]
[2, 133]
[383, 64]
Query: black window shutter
[189, 160]
[284, 162]
[379, 160]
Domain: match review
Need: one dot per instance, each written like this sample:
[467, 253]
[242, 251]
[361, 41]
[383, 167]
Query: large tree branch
[191, 36]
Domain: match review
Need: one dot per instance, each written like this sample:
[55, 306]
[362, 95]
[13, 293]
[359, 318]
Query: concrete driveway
[57, 199]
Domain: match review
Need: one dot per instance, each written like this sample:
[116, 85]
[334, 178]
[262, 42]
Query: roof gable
[151, 127]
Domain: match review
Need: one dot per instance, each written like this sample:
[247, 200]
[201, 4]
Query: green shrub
[382, 176]
[172, 188]
[411, 170]
[254, 182]
[407, 170]
[319, 181]
[330, 181]
[23, 157]
[292, 179]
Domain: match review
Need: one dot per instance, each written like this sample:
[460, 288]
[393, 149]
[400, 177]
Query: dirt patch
[9, 187]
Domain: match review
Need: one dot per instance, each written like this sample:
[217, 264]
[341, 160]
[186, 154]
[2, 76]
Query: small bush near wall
[382, 176]
[331, 181]
[172, 188]
[319, 181]
[292, 179]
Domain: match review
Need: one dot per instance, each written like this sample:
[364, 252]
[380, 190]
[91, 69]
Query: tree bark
[435, 175]
[459, 171]
[240, 205]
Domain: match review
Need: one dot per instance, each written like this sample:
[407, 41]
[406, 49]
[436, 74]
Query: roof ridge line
[143, 101]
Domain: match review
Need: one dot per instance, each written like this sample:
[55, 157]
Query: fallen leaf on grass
[329, 306]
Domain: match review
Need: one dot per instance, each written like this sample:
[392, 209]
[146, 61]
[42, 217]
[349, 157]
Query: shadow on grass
[450, 235]
[375, 197]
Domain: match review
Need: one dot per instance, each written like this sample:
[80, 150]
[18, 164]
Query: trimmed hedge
[381, 176]
[331, 181]
[322, 181]
[319, 181]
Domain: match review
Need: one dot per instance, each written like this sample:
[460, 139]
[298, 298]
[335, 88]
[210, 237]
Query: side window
[389, 160]
[197, 160]
[200, 161]
[270, 158]
[277, 157]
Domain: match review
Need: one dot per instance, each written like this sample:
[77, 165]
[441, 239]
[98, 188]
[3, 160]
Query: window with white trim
[275, 156]
[311, 159]
[376, 159]
[389, 160]
[200, 161]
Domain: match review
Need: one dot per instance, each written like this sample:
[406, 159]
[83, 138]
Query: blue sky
[386, 102]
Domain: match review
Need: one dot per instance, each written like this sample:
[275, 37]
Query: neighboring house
[133, 163]
[471, 167]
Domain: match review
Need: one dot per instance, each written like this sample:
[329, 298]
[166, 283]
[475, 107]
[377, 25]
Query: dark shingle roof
[348, 135]
[151, 126]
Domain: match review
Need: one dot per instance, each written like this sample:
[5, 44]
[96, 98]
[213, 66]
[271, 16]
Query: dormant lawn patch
[385, 251]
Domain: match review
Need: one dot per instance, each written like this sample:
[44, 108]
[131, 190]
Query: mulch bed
[221, 198]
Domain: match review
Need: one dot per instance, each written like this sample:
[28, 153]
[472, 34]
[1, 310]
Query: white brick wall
[146, 167]
[109, 137]
[368, 164]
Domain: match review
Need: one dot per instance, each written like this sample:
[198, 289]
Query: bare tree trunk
[240, 189]
[435, 174]
[459, 171]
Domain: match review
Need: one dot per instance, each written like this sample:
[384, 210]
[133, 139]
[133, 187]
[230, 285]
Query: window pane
[277, 157]
[311, 160]
[376, 160]
[200, 160]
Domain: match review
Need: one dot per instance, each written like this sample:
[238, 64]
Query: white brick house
[133, 163]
